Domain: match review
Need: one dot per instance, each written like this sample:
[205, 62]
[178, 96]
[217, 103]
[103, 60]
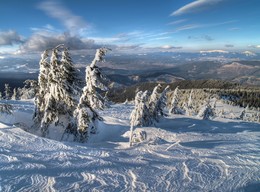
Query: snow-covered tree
[58, 103]
[190, 99]
[1, 96]
[106, 101]
[153, 103]
[86, 119]
[189, 106]
[68, 72]
[162, 102]
[85, 114]
[242, 114]
[8, 92]
[95, 80]
[43, 88]
[140, 116]
[15, 94]
[174, 108]
[29, 90]
[6, 108]
[207, 111]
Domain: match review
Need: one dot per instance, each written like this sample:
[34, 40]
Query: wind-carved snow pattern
[180, 154]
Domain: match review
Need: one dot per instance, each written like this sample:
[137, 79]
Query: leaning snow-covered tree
[95, 80]
[86, 116]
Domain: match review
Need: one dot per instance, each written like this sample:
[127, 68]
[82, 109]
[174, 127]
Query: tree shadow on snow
[184, 125]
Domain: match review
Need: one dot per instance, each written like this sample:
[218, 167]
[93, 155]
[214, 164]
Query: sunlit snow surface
[180, 154]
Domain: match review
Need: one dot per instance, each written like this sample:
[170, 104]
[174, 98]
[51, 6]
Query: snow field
[179, 154]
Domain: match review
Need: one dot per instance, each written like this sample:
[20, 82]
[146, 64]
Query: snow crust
[179, 154]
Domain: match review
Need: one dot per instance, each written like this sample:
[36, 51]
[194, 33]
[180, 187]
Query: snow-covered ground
[179, 154]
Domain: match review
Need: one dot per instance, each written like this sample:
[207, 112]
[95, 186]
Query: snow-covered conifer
[162, 102]
[86, 120]
[1, 96]
[95, 80]
[7, 92]
[242, 114]
[190, 99]
[206, 112]
[189, 106]
[59, 99]
[174, 108]
[85, 114]
[140, 116]
[15, 95]
[153, 103]
[29, 90]
[43, 88]
[6, 108]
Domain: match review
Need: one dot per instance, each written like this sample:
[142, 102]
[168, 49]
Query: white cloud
[254, 46]
[73, 23]
[40, 42]
[177, 22]
[214, 51]
[169, 47]
[188, 27]
[249, 53]
[195, 26]
[10, 37]
[195, 6]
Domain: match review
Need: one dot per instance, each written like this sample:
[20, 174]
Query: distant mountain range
[126, 70]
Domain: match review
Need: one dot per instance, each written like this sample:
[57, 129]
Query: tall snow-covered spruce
[56, 102]
[90, 100]
[43, 88]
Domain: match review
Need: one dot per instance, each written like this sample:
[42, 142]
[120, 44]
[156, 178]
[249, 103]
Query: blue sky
[130, 26]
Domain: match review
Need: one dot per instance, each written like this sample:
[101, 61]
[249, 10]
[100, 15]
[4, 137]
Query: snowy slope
[179, 154]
